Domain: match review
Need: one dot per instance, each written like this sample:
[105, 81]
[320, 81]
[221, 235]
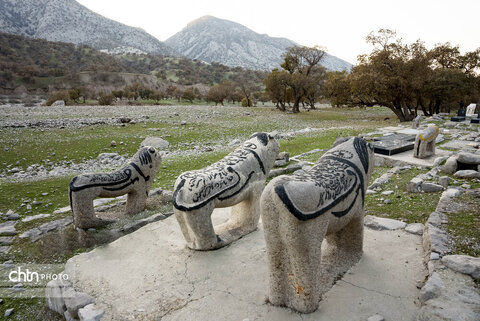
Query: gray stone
[84, 188]
[76, 300]
[437, 219]
[450, 165]
[130, 227]
[444, 181]
[439, 160]
[432, 288]
[468, 173]
[58, 103]
[35, 233]
[414, 186]
[34, 217]
[434, 256]
[5, 249]
[468, 158]
[156, 142]
[387, 192]
[283, 156]
[155, 191]
[425, 142]
[436, 240]
[236, 180]
[370, 191]
[464, 264]
[295, 206]
[415, 228]
[234, 142]
[6, 240]
[8, 312]
[90, 313]
[431, 187]
[8, 228]
[376, 317]
[280, 163]
[54, 295]
[384, 179]
[380, 223]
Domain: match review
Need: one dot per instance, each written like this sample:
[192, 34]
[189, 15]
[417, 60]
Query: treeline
[408, 78]
[26, 60]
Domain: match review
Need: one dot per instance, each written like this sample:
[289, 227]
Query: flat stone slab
[407, 158]
[380, 223]
[150, 275]
[456, 144]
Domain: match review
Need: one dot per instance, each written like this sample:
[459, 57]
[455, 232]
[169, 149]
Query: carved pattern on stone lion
[239, 178]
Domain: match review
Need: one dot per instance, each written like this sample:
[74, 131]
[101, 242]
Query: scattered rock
[6, 240]
[76, 300]
[34, 217]
[468, 173]
[436, 240]
[280, 163]
[414, 186]
[9, 312]
[387, 192]
[450, 165]
[234, 142]
[8, 228]
[431, 187]
[434, 256]
[156, 142]
[432, 288]
[183, 123]
[444, 181]
[124, 120]
[54, 295]
[464, 264]
[371, 191]
[415, 228]
[58, 103]
[380, 223]
[468, 158]
[35, 233]
[113, 143]
[90, 313]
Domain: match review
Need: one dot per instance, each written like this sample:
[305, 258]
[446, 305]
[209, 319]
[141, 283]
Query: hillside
[217, 40]
[69, 21]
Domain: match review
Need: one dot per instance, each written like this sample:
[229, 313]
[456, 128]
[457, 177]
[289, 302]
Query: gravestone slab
[393, 144]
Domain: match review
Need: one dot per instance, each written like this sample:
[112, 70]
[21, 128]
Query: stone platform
[151, 275]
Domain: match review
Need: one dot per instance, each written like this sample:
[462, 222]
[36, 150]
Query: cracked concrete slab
[151, 275]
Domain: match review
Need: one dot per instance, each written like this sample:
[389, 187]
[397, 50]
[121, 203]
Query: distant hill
[69, 21]
[217, 40]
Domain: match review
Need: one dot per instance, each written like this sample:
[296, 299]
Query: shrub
[59, 95]
[246, 102]
[106, 99]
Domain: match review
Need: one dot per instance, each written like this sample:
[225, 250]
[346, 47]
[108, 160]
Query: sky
[338, 25]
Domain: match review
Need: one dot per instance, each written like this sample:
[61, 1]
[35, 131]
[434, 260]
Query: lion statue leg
[197, 228]
[136, 202]
[294, 250]
[84, 213]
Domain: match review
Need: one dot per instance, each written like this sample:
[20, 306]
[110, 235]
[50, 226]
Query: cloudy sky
[339, 25]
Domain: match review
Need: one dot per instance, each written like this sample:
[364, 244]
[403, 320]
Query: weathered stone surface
[8, 312]
[134, 179]
[156, 142]
[384, 179]
[58, 103]
[76, 300]
[54, 294]
[439, 160]
[450, 166]
[90, 313]
[436, 240]
[414, 186]
[5, 249]
[468, 158]
[425, 142]
[34, 217]
[464, 264]
[8, 228]
[130, 227]
[179, 284]
[468, 173]
[35, 233]
[431, 187]
[376, 317]
[380, 223]
[415, 228]
[444, 181]
[437, 219]
[432, 288]
[295, 206]
[6, 240]
[238, 179]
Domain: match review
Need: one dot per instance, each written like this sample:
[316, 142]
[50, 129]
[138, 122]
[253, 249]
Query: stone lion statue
[300, 210]
[425, 142]
[237, 180]
[135, 180]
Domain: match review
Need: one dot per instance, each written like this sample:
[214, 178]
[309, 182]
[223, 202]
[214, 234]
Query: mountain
[217, 40]
[69, 21]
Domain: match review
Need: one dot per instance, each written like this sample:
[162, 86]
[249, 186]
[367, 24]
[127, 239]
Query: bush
[59, 95]
[246, 102]
[106, 99]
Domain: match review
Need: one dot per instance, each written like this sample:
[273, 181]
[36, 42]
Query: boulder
[414, 186]
[380, 223]
[58, 103]
[464, 264]
[156, 142]
[432, 288]
[8, 228]
[450, 165]
[415, 228]
[76, 300]
[90, 313]
[468, 158]
[431, 187]
[444, 181]
[468, 173]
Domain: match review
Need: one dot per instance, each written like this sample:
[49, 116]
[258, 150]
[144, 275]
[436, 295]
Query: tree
[276, 85]
[337, 88]
[188, 95]
[315, 87]
[299, 63]
[247, 86]
[217, 94]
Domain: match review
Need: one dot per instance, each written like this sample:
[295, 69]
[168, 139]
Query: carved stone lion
[300, 210]
[135, 179]
[237, 180]
[425, 142]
